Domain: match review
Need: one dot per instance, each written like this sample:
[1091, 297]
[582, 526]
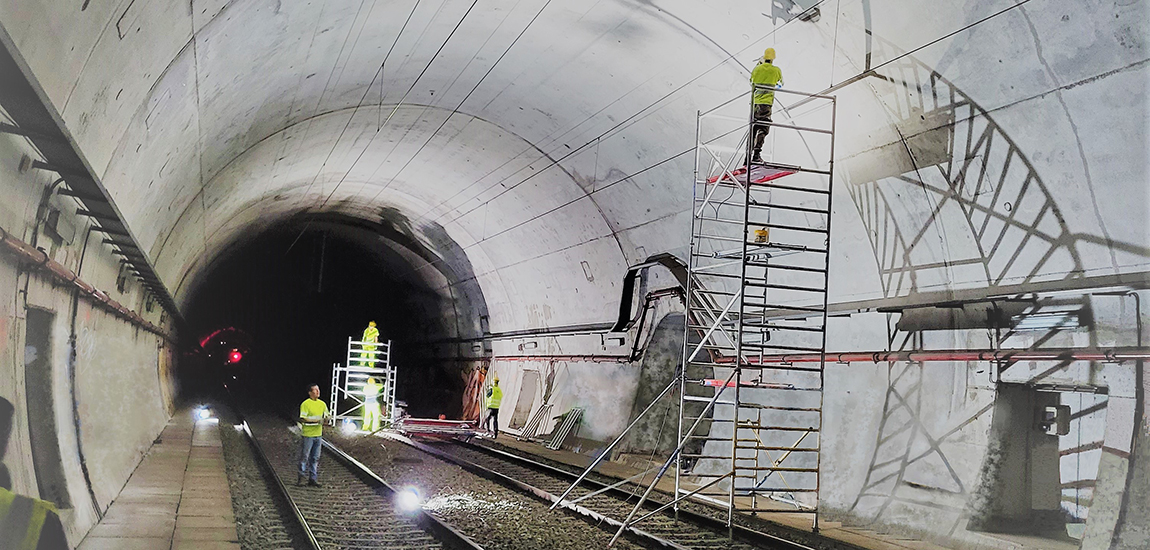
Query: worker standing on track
[311, 414]
[494, 397]
[764, 78]
[370, 337]
[26, 523]
[371, 412]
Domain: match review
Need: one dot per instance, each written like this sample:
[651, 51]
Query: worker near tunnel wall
[764, 78]
[26, 523]
[370, 338]
[371, 412]
[494, 397]
[311, 414]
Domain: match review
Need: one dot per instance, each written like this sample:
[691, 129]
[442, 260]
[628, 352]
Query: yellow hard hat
[496, 379]
[769, 54]
[370, 380]
[371, 323]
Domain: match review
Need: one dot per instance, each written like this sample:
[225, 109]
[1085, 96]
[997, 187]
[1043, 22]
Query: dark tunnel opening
[273, 313]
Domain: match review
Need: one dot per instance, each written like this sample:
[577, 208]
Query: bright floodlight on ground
[203, 413]
[408, 499]
[347, 427]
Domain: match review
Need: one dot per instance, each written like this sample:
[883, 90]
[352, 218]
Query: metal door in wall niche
[527, 389]
[38, 377]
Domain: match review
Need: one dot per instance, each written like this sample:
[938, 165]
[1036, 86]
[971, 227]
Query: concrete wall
[983, 148]
[106, 401]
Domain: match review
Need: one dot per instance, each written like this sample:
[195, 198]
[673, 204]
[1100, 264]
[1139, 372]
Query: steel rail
[445, 533]
[278, 483]
[741, 533]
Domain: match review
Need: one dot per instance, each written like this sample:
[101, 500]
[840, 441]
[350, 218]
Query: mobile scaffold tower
[364, 360]
[760, 254]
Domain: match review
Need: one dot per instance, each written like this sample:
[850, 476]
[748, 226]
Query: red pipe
[1004, 355]
[39, 260]
[572, 358]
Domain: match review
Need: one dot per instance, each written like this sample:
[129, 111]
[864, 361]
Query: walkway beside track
[178, 497]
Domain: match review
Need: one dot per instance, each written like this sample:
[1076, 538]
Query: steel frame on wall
[758, 245]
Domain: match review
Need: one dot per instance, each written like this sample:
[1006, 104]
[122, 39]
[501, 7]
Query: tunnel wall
[100, 401]
[973, 162]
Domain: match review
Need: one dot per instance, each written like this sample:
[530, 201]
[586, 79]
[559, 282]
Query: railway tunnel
[506, 188]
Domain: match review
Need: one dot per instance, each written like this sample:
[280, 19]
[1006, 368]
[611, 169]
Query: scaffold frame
[364, 360]
[760, 252]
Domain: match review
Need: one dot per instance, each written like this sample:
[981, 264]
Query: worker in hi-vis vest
[26, 523]
[764, 78]
[311, 415]
[494, 397]
[370, 337]
[371, 412]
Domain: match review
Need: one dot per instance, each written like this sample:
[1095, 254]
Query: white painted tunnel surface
[995, 143]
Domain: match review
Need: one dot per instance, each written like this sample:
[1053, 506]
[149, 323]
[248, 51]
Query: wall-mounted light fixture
[1045, 320]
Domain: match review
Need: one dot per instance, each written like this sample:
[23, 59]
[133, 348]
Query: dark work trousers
[492, 421]
[762, 125]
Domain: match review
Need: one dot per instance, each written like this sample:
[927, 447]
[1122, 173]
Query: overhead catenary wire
[587, 194]
[637, 115]
[327, 83]
[367, 90]
[465, 98]
[427, 107]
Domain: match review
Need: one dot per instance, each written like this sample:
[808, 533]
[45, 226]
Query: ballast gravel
[494, 516]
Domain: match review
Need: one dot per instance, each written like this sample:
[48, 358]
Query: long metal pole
[741, 295]
[667, 464]
[826, 294]
[606, 452]
[1004, 355]
[692, 260]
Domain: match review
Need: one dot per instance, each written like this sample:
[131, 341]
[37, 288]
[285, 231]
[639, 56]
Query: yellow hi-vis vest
[21, 520]
[494, 396]
[370, 334]
[371, 394]
[766, 74]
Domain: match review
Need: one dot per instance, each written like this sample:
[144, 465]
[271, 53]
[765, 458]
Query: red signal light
[235, 356]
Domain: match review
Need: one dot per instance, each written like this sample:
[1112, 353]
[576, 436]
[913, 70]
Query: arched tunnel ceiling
[980, 143]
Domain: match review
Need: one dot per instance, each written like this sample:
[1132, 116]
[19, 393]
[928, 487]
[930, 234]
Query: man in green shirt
[311, 414]
[765, 77]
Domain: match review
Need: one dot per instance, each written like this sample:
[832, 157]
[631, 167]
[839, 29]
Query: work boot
[313, 483]
[298, 479]
[755, 158]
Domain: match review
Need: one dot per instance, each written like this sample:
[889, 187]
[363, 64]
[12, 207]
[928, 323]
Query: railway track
[602, 503]
[354, 508]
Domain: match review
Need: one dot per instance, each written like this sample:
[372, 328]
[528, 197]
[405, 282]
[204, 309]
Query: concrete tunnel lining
[1002, 156]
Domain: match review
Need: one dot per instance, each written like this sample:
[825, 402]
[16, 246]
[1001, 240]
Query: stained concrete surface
[981, 145]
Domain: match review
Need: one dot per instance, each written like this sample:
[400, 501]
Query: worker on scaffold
[764, 78]
[371, 412]
[370, 338]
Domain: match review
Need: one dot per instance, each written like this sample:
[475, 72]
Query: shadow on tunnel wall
[972, 173]
[966, 165]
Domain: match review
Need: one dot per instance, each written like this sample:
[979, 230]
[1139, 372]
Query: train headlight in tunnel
[408, 499]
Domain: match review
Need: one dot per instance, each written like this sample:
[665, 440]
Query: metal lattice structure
[760, 253]
[364, 360]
